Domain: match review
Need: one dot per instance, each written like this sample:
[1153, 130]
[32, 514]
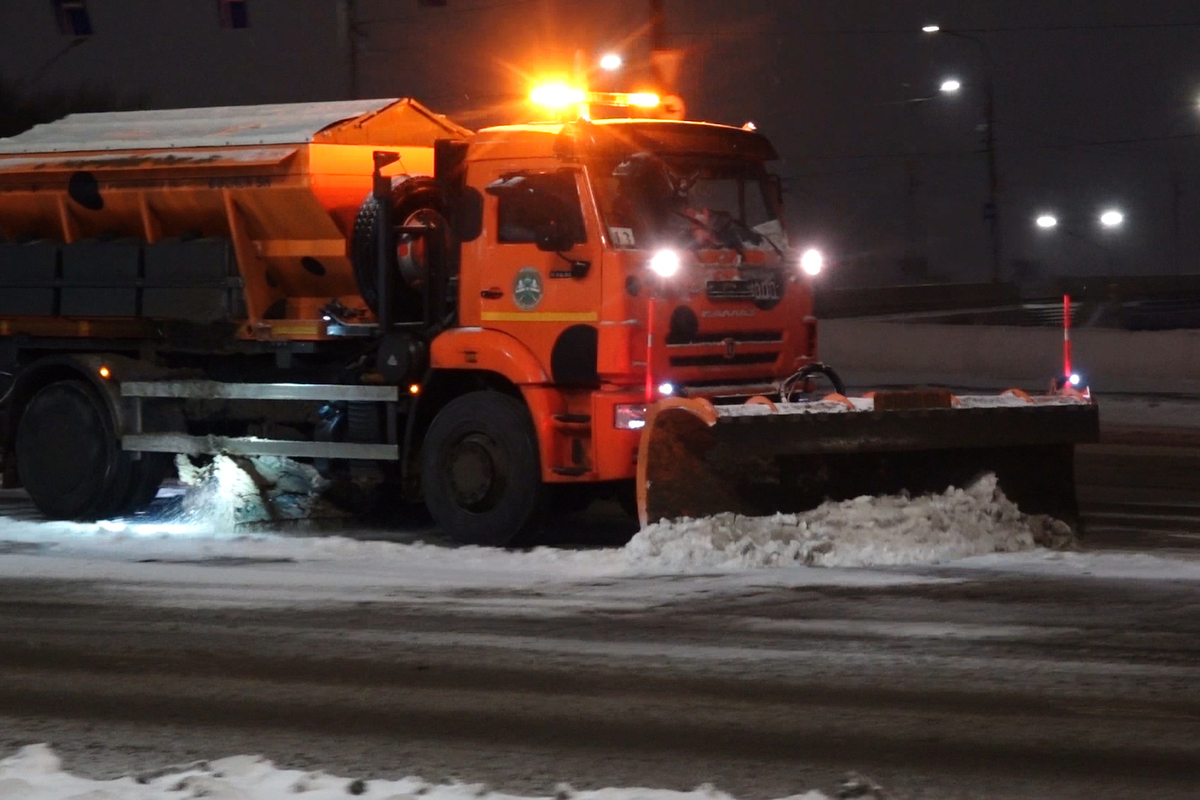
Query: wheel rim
[412, 253]
[476, 473]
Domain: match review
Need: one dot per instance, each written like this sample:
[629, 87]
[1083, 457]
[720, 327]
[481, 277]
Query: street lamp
[991, 211]
[611, 62]
[1103, 239]
[948, 87]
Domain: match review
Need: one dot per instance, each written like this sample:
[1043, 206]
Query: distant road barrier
[869, 352]
[887, 300]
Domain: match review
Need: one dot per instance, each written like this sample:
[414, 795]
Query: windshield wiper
[719, 233]
[728, 221]
[756, 237]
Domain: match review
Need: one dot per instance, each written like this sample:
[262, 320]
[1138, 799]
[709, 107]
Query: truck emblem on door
[527, 290]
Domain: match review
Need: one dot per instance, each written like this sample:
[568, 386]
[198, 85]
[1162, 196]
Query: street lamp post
[992, 209]
[947, 87]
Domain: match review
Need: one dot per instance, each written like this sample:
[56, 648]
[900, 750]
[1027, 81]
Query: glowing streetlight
[931, 28]
[1112, 219]
[611, 62]
[1046, 221]
[950, 86]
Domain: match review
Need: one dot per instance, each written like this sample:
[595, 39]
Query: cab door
[541, 280]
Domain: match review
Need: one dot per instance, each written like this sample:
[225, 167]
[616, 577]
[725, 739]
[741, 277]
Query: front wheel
[480, 470]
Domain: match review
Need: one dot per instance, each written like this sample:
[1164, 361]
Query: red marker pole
[650, 349]
[1067, 336]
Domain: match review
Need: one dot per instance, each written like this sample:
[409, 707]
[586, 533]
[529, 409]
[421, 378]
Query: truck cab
[620, 262]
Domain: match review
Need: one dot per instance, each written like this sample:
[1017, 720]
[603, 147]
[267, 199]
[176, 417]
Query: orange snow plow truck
[493, 322]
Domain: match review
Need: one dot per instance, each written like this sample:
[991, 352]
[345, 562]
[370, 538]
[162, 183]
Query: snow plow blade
[697, 459]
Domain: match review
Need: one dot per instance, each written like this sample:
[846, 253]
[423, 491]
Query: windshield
[650, 201]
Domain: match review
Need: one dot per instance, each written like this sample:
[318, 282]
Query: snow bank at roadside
[35, 773]
[868, 531]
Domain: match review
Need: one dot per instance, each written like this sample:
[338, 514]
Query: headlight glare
[812, 262]
[665, 263]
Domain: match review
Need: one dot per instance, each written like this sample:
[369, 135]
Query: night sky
[1098, 105]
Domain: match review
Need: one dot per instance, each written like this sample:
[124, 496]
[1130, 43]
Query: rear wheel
[71, 462]
[67, 455]
[149, 472]
[480, 471]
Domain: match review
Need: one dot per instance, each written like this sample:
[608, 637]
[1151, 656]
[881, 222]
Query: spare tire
[415, 201]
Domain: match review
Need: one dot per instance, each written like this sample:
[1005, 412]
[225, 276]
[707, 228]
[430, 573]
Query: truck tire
[415, 201]
[149, 472]
[480, 471]
[68, 456]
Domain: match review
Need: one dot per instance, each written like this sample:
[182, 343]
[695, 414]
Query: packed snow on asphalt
[35, 773]
[200, 555]
[211, 521]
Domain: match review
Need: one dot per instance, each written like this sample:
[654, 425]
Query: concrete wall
[990, 357]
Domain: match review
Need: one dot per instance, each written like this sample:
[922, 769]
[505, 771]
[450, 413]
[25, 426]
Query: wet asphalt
[987, 685]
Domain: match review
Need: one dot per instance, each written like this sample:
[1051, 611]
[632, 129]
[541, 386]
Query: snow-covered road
[713, 653]
[163, 559]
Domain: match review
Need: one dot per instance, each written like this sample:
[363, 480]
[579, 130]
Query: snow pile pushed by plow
[35, 773]
[868, 531]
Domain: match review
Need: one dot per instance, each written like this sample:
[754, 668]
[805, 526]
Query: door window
[545, 201]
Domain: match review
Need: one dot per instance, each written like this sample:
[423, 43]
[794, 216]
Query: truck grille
[737, 360]
[729, 290]
[740, 337]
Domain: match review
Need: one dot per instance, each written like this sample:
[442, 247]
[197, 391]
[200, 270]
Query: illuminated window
[72, 17]
[234, 14]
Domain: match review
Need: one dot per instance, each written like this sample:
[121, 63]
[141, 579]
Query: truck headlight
[665, 263]
[812, 262]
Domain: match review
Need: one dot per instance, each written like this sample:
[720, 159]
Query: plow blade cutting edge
[696, 459]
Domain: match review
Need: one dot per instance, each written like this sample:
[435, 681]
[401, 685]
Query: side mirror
[553, 237]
